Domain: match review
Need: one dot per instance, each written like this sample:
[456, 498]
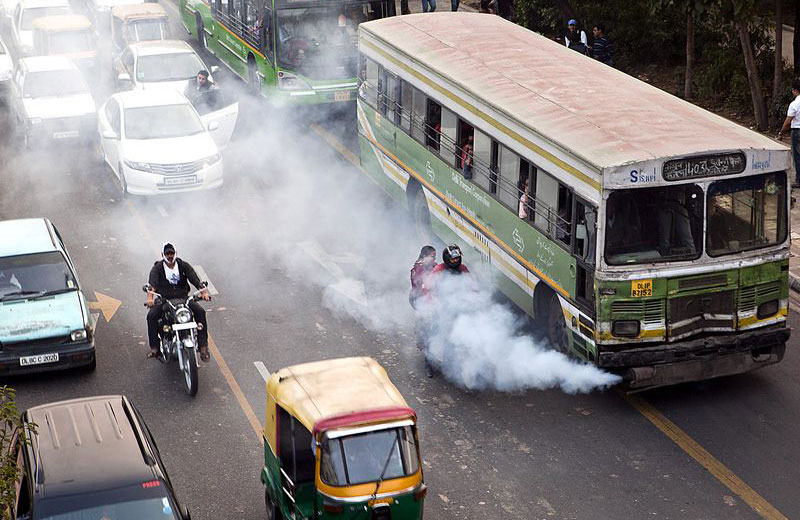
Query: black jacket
[158, 279]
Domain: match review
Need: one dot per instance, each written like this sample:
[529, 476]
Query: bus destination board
[704, 166]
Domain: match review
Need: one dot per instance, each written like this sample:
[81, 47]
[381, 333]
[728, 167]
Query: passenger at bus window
[466, 158]
[674, 225]
[523, 199]
[563, 225]
[433, 126]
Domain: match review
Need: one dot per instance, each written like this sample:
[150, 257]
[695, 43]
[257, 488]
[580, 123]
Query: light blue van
[44, 320]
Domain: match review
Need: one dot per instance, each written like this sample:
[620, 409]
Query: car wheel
[272, 510]
[252, 78]
[91, 367]
[122, 185]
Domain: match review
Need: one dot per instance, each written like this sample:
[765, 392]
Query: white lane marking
[203, 276]
[262, 370]
[346, 286]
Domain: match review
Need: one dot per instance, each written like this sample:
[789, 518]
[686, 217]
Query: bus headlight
[767, 309]
[288, 81]
[183, 316]
[78, 335]
[625, 328]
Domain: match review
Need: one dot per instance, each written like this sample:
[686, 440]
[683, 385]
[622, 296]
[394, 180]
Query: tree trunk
[796, 40]
[689, 80]
[777, 76]
[756, 93]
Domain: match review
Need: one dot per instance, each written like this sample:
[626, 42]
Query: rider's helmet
[451, 256]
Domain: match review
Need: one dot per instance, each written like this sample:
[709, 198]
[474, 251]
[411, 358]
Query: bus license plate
[39, 359]
[177, 181]
[342, 95]
[641, 288]
[65, 135]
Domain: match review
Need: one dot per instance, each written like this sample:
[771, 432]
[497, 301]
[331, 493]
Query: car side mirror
[124, 79]
[213, 125]
[109, 134]
[214, 69]
[146, 287]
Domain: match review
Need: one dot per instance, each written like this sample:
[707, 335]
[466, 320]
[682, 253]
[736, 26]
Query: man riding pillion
[170, 277]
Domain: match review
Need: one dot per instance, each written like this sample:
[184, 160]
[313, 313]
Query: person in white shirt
[793, 121]
[575, 38]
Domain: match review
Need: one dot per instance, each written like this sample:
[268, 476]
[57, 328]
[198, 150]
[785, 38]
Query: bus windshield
[654, 225]
[321, 42]
[357, 459]
[747, 213]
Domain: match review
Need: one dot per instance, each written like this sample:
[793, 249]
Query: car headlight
[211, 160]
[34, 120]
[767, 309]
[78, 335]
[183, 316]
[288, 81]
[136, 165]
[625, 328]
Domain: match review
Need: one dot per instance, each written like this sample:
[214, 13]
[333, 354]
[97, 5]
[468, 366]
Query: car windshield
[146, 30]
[54, 83]
[357, 459]
[168, 67]
[162, 122]
[70, 41]
[321, 42]
[35, 274]
[29, 15]
[654, 225]
[747, 213]
[144, 501]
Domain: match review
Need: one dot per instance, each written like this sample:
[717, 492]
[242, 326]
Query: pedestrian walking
[576, 38]
[793, 121]
[602, 48]
[428, 6]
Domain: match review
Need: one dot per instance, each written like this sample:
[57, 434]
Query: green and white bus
[293, 52]
[648, 236]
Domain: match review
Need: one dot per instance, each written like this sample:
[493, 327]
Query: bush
[11, 435]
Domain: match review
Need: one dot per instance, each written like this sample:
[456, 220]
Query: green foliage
[11, 435]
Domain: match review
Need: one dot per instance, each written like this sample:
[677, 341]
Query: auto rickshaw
[69, 35]
[340, 442]
[137, 23]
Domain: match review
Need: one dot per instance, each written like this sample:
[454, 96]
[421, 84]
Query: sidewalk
[794, 256]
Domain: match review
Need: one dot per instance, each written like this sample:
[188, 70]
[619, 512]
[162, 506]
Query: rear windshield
[54, 83]
[142, 501]
[145, 30]
[369, 457]
[42, 273]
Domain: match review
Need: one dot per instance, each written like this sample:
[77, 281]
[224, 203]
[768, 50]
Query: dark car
[92, 458]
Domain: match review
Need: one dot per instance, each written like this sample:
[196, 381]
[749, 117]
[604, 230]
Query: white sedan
[155, 141]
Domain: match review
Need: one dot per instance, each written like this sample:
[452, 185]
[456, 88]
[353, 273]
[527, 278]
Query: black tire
[120, 183]
[190, 376]
[557, 331]
[91, 367]
[201, 35]
[253, 83]
[272, 511]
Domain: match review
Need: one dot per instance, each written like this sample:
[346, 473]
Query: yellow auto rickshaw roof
[346, 388]
[133, 11]
[62, 22]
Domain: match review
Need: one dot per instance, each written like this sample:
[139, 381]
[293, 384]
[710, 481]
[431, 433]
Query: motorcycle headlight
[183, 316]
[78, 335]
[136, 165]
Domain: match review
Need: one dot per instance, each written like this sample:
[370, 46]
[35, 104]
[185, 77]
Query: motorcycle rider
[170, 277]
[451, 262]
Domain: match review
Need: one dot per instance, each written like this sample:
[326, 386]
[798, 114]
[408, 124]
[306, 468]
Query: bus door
[584, 241]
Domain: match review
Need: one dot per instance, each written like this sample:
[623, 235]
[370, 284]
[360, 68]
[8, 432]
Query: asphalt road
[310, 260]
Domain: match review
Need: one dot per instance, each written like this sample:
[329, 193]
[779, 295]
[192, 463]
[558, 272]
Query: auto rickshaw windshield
[369, 457]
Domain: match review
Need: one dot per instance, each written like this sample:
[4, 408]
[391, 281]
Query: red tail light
[334, 509]
[420, 493]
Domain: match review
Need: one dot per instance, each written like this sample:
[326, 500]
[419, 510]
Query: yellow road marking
[212, 347]
[721, 472]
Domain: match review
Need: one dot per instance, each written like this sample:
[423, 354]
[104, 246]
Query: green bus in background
[648, 236]
[290, 51]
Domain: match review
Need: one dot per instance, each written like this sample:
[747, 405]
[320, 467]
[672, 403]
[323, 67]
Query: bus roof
[337, 392]
[592, 111]
[133, 11]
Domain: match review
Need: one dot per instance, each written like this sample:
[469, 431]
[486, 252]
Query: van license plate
[40, 359]
[642, 288]
[177, 181]
[65, 135]
[342, 95]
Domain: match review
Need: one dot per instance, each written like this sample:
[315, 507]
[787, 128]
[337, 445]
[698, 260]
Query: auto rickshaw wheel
[272, 510]
[557, 331]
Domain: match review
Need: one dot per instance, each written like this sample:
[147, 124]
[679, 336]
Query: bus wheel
[201, 35]
[557, 331]
[252, 77]
[272, 509]
[422, 216]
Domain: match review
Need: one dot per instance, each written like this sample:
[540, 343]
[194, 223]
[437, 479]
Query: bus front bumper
[699, 359]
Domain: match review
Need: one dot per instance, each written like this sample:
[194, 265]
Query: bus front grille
[708, 312]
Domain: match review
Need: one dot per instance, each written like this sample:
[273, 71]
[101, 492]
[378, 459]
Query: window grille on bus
[555, 225]
[248, 34]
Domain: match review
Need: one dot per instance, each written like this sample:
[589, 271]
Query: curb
[794, 282]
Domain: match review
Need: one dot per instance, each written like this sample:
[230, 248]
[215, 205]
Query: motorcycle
[177, 333]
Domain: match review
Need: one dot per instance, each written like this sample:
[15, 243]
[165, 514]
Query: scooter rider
[170, 277]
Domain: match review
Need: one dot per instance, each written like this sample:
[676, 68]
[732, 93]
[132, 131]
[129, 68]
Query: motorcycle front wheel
[189, 367]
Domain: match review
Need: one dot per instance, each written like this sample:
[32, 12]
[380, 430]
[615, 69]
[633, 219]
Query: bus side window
[526, 190]
[509, 178]
[494, 167]
[419, 120]
[482, 160]
[465, 152]
[372, 82]
[585, 232]
[564, 220]
[404, 109]
[546, 191]
[447, 140]
[433, 124]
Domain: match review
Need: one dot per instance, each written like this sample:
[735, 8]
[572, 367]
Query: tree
[688, 79]
[12, 434]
